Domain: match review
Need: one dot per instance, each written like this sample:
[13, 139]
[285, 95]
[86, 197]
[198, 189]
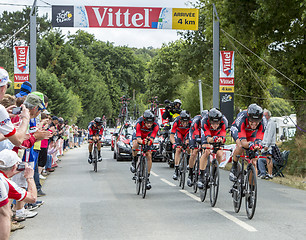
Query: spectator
[9, 162]
[80, 135]
[35, 104]
[75, 136]
[268, 142]
[25, 89]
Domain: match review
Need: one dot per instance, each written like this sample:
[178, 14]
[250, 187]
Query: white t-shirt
[6, 126]
[3, 194]
[13, 190]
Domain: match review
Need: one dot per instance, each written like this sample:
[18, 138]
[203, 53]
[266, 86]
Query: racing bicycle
[182, 166]
[246, 183]
[142, 170]
[212, 178]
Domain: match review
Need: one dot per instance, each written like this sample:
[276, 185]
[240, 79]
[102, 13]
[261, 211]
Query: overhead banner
[125, 17]
[226, 84]
[21, 65]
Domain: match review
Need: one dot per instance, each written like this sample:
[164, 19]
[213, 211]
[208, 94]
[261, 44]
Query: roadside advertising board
[125, 17]
[226, 84]
[21, 66]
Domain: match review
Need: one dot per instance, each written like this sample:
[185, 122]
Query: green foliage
[296, 161]
[62, 102]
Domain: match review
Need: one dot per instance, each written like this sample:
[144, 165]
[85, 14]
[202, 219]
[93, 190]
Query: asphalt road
[82, 204]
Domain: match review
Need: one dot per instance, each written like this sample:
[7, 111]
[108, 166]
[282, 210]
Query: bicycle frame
[246, 185]
[142, 170]
[182, 165]
[95, 156]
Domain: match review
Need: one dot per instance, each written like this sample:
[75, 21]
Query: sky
[120, 37]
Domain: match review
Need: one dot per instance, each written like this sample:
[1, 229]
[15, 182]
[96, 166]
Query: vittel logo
[122, 17]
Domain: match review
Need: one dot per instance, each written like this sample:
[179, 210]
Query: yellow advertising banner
[185, 18]
[17, 85]
[226, 89]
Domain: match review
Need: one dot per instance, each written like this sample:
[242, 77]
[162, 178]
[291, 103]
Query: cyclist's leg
[90, 145]
[203, 165]
[134, 154]
[97, 139]
[149, 161]
[149, 158]
[177, 156]
[178, 142]
[219, 155]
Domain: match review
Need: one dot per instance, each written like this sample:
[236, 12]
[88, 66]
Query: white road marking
[169, 183]
[218, 210]
[235, 220]
[191, 195]
[154, 174]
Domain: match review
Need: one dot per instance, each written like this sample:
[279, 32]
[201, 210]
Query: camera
[21, 167]
[16, 110]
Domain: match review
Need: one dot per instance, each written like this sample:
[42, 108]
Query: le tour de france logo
[62, 16]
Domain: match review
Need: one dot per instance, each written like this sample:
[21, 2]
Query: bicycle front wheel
[250, 191]
[183, 169]
[138, 175]
[144, 180]
[238, 192]
[196, 175]
[95, 159]
[214, 182]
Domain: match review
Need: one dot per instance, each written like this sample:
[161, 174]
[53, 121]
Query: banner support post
[200, 95]
[33, 46]
[216, 57]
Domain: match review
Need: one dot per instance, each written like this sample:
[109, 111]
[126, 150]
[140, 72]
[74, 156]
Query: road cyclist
[146, 129]
[247, 131]
[194, 138]
[213, 130]
[180, 136]
[95, 132]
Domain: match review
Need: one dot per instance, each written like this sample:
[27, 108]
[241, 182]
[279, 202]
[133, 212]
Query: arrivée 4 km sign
[125, 17]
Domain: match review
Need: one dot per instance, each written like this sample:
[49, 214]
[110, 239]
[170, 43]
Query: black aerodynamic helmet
[203, 113]
[98, 121]
[214, 115]
[185, 116]
[148, 116]
[255, 112]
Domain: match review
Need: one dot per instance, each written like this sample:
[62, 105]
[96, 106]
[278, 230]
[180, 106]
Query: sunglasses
[8, 85]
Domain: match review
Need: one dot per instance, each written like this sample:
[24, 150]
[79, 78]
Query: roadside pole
[216, 57]
[33, 46]
[200, 95]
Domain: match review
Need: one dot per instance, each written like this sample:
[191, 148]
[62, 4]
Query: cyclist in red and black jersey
[179, 136]
[95, 132]
[145, 131]
[194, 137]
[214, 126]
[248, 131]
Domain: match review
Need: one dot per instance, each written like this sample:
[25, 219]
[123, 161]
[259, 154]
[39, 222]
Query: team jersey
[195, 127]
[142, 131]
[244, 129]
[3, 194]
[178, 127]
[12, 189]
[208, 131]
[6, 126]
[94, 130]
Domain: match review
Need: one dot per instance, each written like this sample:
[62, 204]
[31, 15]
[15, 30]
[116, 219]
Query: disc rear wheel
[214, 182]
[250, 191]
